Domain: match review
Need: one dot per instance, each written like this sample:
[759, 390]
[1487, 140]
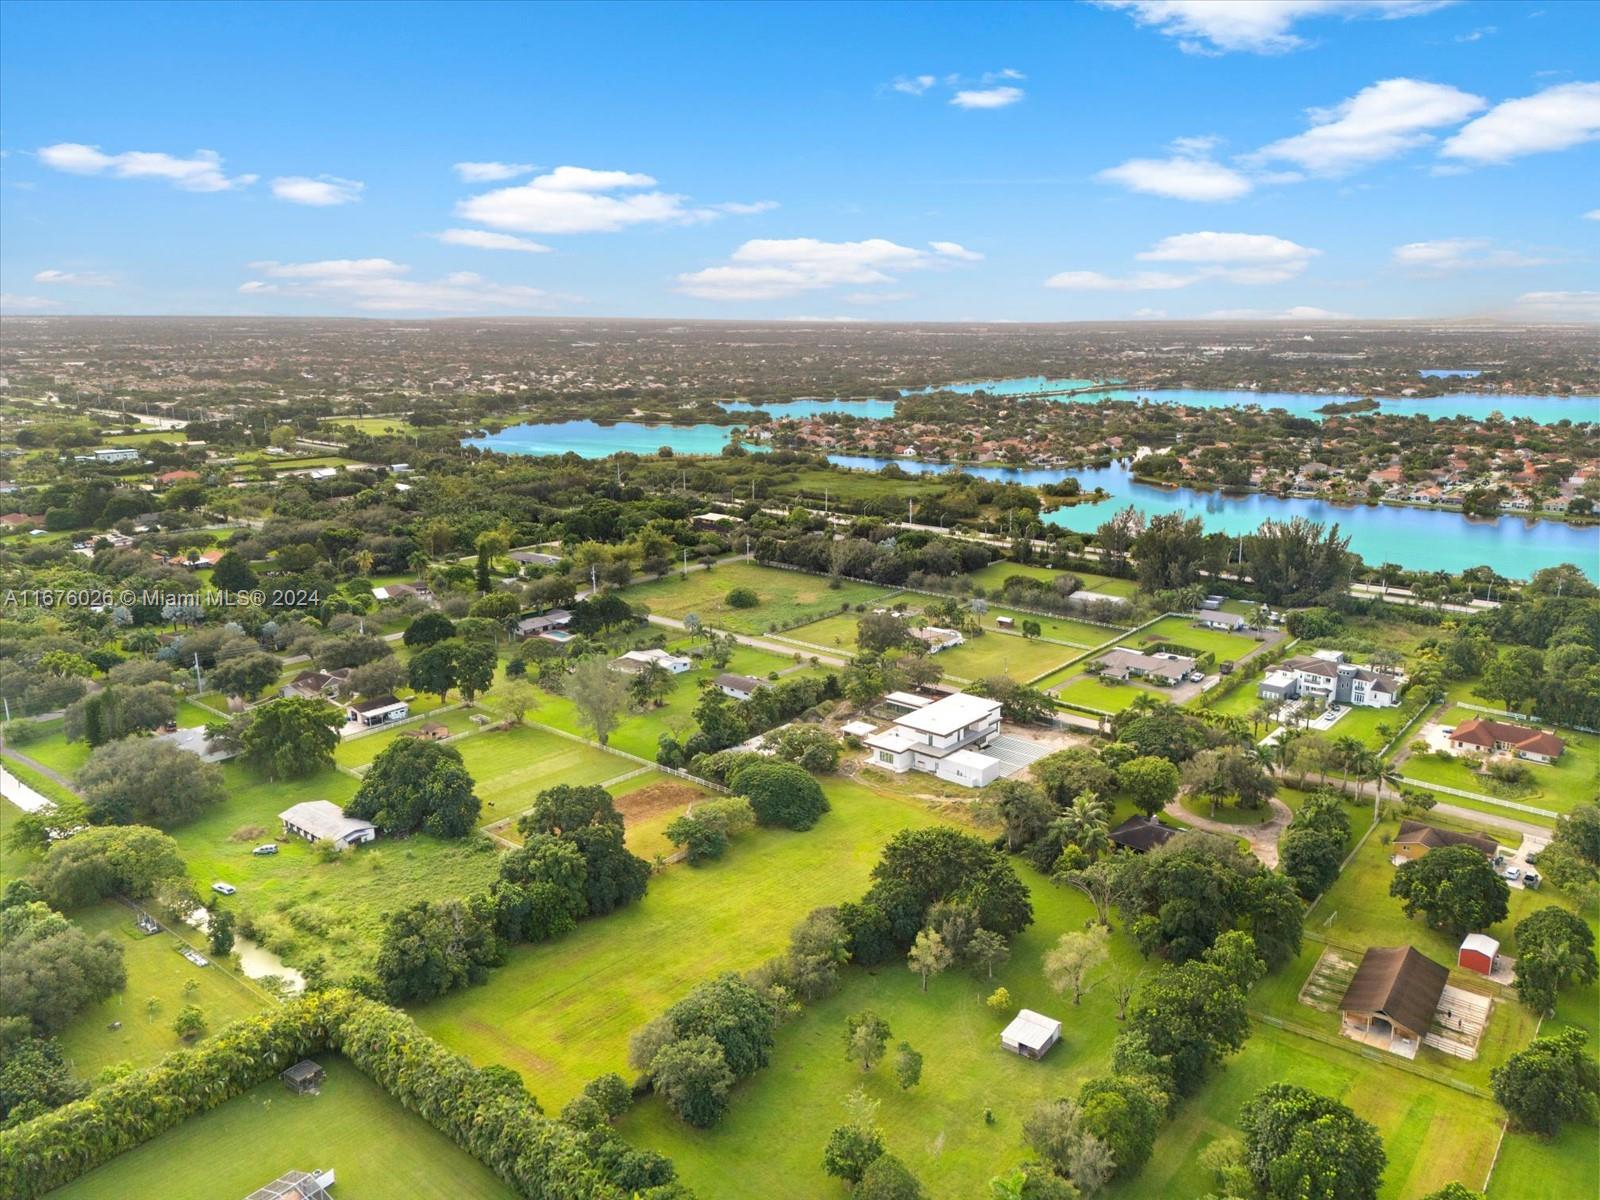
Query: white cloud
[1378, 122]
[1455, 254]
[11, 302]
[490, 172]
[1140, 281]
[1256, 26]
[1236, 257]
[767, 268]
[483, 239]
[995, 97]
[201, 173]
[739, 209]
[1581, 307]
[913, 85]
[1299, 312]
[1554, 119]
[74, 278]
[382, 285]
[1187, 175]
[956, 250]
[1592, 215]
[324, 191]
[580, 200]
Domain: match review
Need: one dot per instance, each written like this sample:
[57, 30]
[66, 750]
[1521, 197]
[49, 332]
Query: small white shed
[969, 768]
[1030, 1034]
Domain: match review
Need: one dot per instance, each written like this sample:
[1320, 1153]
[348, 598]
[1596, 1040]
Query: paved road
[1263, 838]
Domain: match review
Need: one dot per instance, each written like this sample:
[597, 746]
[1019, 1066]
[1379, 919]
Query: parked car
[267, 848]
[1531, 858]
[224, 889]
[1531, 880]
[1513, 874]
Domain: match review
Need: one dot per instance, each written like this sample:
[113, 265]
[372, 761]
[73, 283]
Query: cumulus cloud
[1247, 258]
[1189, 174]
[484, 239]
[325, 191]
[382, 285]
[1554, 119]
[913, 85]
[582, 200]
[1592, 215]
[768, 268]
[74, 278]
[1254, 26]
[995, 97]
[1456, 254]
[1579, 307]
[1139, 281]
[1378, 122]
[200, 173]
[490, 172]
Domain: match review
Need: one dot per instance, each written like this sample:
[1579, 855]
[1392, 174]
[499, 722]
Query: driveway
[1263, 838]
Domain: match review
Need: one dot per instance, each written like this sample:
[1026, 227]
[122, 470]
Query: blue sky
[866, 162]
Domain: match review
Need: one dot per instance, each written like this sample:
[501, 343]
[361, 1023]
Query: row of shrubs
[487, 1113]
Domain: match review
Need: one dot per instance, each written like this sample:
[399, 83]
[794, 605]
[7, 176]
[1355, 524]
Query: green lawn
[562, 1013]
[785, 596]
[1226, 646]
[837, 632]
[1109, 696]
[374, 1146]
[38, 781]
[358, 752]
[1570, 780]
[55, 752]
[771, 1142]
[1061, 629]
[1363, 725]
[13, 863]
[155, 971]
[993, 577]
[1004, 654]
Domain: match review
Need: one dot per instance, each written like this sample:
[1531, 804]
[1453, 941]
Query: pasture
[1177, 630]
[784, 597]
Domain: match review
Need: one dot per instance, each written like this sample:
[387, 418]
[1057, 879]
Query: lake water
[592, 440]
[1449, 374]
[1415, 537]
[872, 410]
[1545, 410]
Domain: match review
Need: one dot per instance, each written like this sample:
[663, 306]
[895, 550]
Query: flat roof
[908, 699]
[949, 715]
[896, 741]
[1482, 943]
[971, 758]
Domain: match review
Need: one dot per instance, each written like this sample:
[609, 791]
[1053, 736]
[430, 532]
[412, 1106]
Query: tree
[928, 956]
[189, 1024]
[1098, 881]
[599, 694]
[1124, 1112]
[1055, 1129]
[780, 794]
[1070, 773]
[290, 737]
[851, 1149]
[1454, 887]
[1555, 949]
[1454, 1191]
[888, 1179]
[998, 1001]
[1075, 955]
[1169, 552]
[1312, 849]
[1303, 1146]
[651, 686]
[987, 950]
[475, 664]
[1548, 1084]
[866, 1037]
[34, 1077]
[428, 627]
[1228, 773]
[812, 749]
[51, 969]
[1191, 1016]
[246, 675]
[433, 669]
[147, 781]
[221, 932]
[1299, 562]
[106, 860]
[431, 947]
[415, 784]
[1150, 782]
[735, 1014]
[879, 632]
[232, 573]
[692, 1075]
[907, 1066]
[1023, 811]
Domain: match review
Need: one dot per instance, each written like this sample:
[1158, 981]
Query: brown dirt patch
[658, 798]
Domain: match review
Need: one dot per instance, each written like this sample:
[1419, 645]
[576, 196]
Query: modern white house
[942, 738]
[635, 661]
[323, 821]
[1325, 675]
[1217, 619]
[1030, 1034]
[378, 711]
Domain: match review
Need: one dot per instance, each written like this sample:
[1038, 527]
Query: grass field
[1113, 697]
[155, 971]
[785, 596]
[513, 766]
[55, 752]
[993, 577]
[358, 752]
[1061, 629]
[1226, 646]
[562, 1013]
[1004, 654]
[1572, 779]
[13, 863]
[374, 1146]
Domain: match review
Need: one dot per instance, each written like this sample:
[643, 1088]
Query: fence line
[1377, 1056]
[643, 762]
[1480, 798]
[1496, 712]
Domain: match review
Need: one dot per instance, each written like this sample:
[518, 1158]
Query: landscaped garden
[1183, 632]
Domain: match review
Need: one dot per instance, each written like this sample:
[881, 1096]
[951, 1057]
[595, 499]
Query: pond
[590, 439]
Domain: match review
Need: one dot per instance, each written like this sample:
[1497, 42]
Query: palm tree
[1347, 752]
[1086, 823]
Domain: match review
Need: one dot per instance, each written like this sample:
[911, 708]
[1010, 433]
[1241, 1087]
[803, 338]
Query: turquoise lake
[1414, 537]
[872, 410]
[592, 440]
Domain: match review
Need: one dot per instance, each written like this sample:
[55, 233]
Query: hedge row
[487, 1113]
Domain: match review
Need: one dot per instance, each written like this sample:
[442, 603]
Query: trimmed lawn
[1091, 692]
[837, 632]
[55, 752]
[1225, 646]
[514, 765]
[1362, 724]
[155, 971]
[1563, 784]
[771, 1142]
[13, 863]
[994, 576]
[1062, 629]
[351, 1126]
[1004, 654]
[562, 1013]
[786, 597]
[39, 782]
[358, 752]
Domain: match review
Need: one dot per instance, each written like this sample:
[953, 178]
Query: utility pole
[594, 582]
[199, 682]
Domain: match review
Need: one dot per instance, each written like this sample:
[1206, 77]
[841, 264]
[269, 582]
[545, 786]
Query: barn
[1478, 953]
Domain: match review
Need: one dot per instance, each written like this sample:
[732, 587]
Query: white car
[224, 889]
[1513, 874]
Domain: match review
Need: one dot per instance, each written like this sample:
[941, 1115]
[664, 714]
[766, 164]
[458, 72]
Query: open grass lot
[371, 425]
[994, 576]
[1432, 1133]
[374, 1146]
[358, 752]
[55, 752]
[771, 1142]
[1061, 629]
[1111, 697]
[837, 632]
[512, 766]
[1570, 780]
[155, 971]
[13, 863]
[1372, 727]
[1225, 646]
[649, 803]
[1004, 654]
[304, 904]
[562, 1013]
[38, 781]
[785, 596]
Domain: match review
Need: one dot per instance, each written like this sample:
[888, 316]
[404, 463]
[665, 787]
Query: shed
[321, 820]
[304, 1077]
[860, 728]
[1478, 953]
[1392, 998]
[1030, 1034]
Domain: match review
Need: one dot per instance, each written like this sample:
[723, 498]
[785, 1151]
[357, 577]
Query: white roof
[896, 741]
[972, 760]
[324, 819]
[1031, 1029]
[953, 713]
[652, 656]
[860, 728]
[908, 700]
[1482, 943]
